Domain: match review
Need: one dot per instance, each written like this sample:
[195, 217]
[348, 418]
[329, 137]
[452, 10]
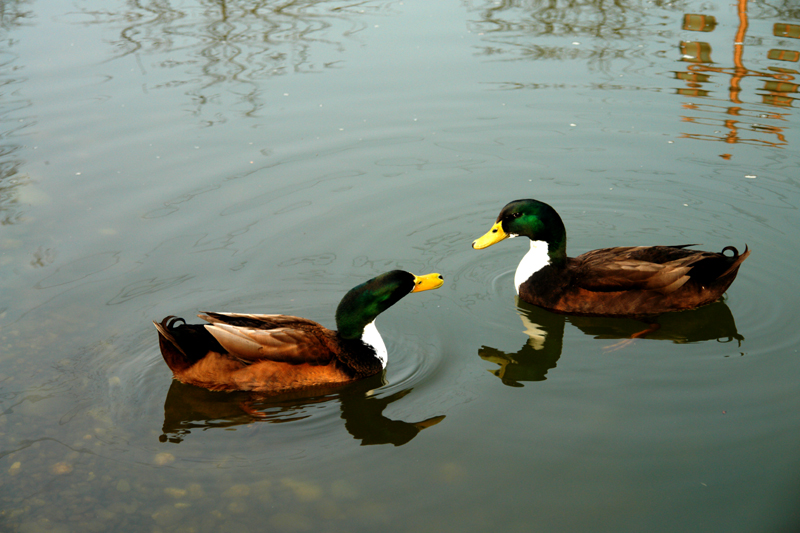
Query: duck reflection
[545, 332]
[539, 354]
[188, 408]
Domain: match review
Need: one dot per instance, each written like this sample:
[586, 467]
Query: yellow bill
[493, 236]
[427, 282]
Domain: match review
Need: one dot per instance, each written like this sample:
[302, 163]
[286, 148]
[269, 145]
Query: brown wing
[654, 268]
[258, 321]
[280, 338]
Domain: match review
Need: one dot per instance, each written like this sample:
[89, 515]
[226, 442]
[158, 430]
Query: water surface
[169, 158]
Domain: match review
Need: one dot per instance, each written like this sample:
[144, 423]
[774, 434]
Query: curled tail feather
[738, 259]
[175, 357]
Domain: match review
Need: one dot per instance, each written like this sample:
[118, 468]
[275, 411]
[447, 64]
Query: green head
[528, 218]
[362, 304]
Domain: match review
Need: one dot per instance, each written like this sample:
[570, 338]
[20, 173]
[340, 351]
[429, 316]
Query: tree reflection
[10, 212]
[617, 30]
[545, 332]
[235, 42]
[14, 13]
[607, 19]
[12, 16]
[597, 18]
[188, 408]
[780, 84]
[509, 24]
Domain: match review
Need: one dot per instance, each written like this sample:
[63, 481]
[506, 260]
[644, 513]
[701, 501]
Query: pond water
[163, 158]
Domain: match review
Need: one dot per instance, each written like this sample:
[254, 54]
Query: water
[162, 159]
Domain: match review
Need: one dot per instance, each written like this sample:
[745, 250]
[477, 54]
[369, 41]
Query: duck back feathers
[634, 281]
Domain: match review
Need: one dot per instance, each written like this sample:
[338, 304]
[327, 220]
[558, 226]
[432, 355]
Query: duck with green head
[280, 353]
[631, 281]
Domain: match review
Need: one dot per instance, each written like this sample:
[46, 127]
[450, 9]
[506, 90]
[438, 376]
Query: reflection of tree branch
[10, 161]
[14, 13]
[620, 19]
[9, 205]
[785, 9]
[514, 28]
[262, 27]
[234, 41]
[511, 23]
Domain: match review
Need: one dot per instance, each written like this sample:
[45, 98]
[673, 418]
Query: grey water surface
[166, 158]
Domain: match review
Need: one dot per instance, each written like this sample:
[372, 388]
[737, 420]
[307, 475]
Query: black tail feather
[182, 345]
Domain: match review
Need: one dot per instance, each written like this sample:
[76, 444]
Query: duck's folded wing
[257, 321]
[612, 269]
[623, 276]
[286, 345]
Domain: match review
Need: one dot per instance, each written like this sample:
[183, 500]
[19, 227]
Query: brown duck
[280, 353]
[632, 281]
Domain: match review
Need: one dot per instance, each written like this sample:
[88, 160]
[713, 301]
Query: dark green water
[168, 158]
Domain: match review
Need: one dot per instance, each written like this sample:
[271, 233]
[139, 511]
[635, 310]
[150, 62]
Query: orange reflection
[780, 84]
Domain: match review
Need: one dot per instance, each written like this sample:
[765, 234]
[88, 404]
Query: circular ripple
[761, 300]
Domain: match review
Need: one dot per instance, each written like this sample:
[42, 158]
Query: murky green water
[167, 158]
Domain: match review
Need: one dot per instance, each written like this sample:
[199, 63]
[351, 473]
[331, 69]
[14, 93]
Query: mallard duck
[280, 353]
[631, 281]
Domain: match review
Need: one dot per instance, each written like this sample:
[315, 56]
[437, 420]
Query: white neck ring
[535, 260]
[374, 339]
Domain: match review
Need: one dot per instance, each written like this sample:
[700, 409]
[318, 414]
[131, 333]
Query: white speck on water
[750, 176]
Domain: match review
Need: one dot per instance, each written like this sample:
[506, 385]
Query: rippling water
[171, 158]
